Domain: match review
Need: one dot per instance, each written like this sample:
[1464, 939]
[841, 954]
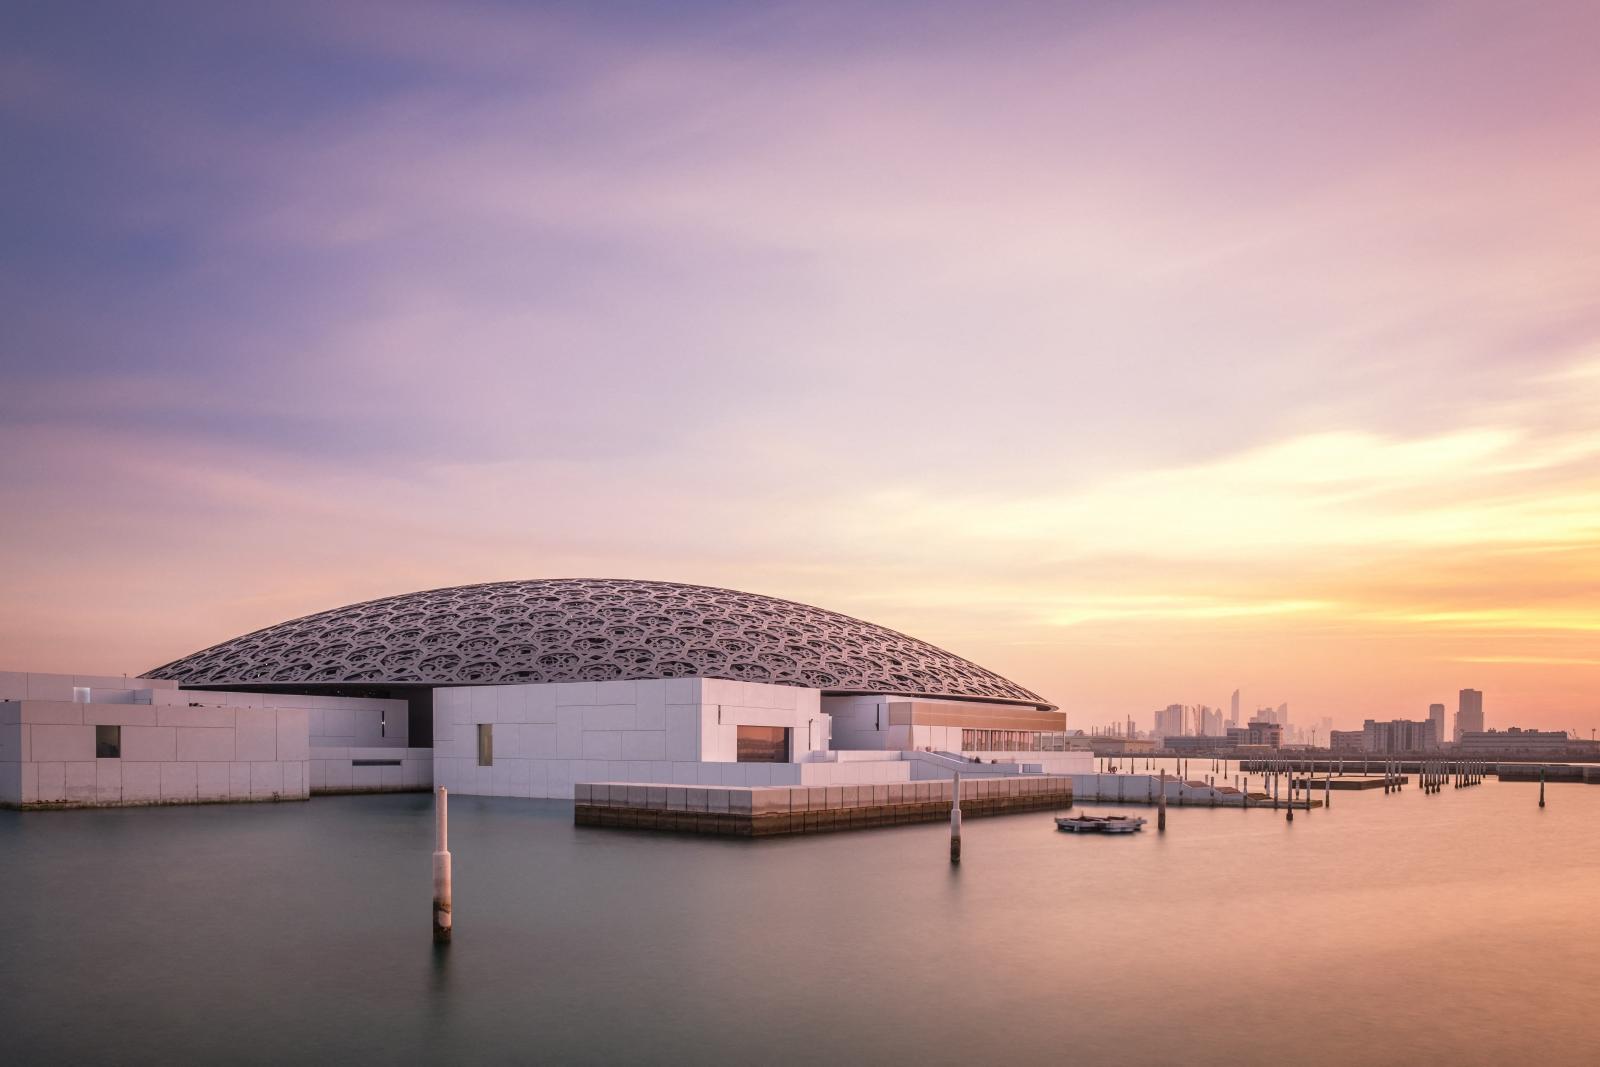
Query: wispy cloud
[1127, 348]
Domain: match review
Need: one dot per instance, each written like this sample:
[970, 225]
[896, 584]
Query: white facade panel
[210, 745]
[183, 749]
[665, 730]
[257, 740]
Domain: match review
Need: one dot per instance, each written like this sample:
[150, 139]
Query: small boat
[1100, 824]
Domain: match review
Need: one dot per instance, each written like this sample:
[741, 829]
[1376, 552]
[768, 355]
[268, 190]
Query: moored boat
[1100, 824]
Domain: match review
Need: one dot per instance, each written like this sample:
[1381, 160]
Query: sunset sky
[1137, 351]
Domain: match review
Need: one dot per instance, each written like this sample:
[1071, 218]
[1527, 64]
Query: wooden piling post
[1161, 805]
[441, 868]
[1541, 787]
[955, 820]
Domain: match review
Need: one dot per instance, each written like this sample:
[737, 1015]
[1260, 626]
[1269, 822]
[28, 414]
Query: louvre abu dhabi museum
[525, 689]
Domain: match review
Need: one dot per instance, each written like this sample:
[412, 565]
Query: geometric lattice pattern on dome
[591, 629]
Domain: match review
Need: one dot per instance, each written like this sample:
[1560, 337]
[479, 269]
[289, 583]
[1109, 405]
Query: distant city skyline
[1192, 719]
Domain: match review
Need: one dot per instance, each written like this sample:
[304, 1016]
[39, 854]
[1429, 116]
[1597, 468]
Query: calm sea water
[1462, 928]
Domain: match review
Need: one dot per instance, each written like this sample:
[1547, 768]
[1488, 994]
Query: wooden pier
[1350, 781]
[766, 811]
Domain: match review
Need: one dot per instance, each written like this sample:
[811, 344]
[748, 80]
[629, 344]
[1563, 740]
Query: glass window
[763, 744]
[108, 742]
[485, 744]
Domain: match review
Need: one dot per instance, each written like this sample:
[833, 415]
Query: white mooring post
[955, 820]
[441, 867]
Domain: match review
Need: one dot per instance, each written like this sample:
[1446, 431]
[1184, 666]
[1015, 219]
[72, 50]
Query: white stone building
[528, 689]
[541, 740]
[108, 741]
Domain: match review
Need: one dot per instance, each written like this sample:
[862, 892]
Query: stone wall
[769, 811]
[169, 754]
[547, 737]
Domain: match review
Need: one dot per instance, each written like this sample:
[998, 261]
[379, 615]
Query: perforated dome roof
[589, 629]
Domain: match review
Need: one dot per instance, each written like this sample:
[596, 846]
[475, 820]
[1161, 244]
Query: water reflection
[1458, 923]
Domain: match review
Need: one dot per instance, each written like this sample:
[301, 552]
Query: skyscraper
[1169, 721]
[1436, 716]
[1469, 712]
[1233, 709]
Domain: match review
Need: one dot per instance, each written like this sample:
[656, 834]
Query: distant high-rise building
[1279, 715]
[1346, 741]
[1436, 716]
[1469, 713]
[1233, 709]
[1264, 733]
[1400, 735]
[1169, 721]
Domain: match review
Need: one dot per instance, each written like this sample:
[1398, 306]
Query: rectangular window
[485, 744]
[763, 744]
[108, 742]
